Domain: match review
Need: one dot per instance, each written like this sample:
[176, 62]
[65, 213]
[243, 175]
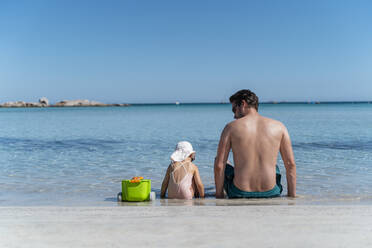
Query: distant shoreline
[75, 106]
[44, 103]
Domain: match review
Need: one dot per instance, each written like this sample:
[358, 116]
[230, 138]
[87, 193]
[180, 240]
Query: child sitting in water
[182, 178]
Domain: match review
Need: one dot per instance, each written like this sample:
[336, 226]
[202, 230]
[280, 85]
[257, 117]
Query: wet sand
[223, 225]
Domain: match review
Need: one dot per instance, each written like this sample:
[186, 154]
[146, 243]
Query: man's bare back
[255, 142]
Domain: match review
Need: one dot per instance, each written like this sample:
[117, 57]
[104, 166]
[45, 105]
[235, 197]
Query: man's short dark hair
[245, 95]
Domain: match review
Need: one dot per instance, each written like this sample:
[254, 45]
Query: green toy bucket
[136, 192]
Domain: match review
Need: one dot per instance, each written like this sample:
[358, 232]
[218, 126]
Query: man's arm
[165, 183]
[289, 162]
[223, 151]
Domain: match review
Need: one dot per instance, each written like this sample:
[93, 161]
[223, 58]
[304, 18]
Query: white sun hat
[182, 151]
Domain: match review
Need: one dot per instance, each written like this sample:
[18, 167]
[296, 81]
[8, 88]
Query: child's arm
[198, 182]
[164, 185]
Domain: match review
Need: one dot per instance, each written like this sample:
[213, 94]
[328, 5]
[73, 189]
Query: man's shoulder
[230, 125]
[273, 122]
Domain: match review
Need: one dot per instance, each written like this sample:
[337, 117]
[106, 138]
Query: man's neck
[250, 112]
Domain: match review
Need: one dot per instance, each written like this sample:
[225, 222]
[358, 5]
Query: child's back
[181, 180]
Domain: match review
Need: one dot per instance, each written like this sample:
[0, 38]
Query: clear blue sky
[188, 51]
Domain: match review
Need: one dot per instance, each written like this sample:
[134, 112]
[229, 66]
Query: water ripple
[344, 145]
[38, 144]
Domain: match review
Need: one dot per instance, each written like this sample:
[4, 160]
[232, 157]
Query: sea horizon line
[265, 102]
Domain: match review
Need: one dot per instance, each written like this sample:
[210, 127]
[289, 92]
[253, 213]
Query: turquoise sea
[78, 156]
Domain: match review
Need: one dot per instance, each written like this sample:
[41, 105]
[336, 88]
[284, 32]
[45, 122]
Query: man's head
[242, 101]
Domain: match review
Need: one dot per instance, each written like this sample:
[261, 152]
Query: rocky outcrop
[84, 103]
[77, 103]
[22, 104]
[44, 102]
[14, 104]
[74, 103]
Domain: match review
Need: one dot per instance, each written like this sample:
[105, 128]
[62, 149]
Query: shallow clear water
[55, 156]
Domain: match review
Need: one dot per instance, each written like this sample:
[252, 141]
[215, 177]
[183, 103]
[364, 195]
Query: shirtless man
[255, 142]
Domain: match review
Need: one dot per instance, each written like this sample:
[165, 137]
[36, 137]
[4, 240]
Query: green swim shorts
[233, 192]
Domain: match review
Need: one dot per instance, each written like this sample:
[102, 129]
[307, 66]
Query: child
[182, 178]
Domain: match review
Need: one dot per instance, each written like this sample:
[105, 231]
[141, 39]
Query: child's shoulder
[193, 166]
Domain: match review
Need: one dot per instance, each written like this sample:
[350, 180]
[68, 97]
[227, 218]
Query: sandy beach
[186, 226]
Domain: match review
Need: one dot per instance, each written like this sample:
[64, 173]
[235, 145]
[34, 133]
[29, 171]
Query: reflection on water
[282, 200]
[357, 145]
[299, 200]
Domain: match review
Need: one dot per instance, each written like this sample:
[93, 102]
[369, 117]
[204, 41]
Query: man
[255, 142]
